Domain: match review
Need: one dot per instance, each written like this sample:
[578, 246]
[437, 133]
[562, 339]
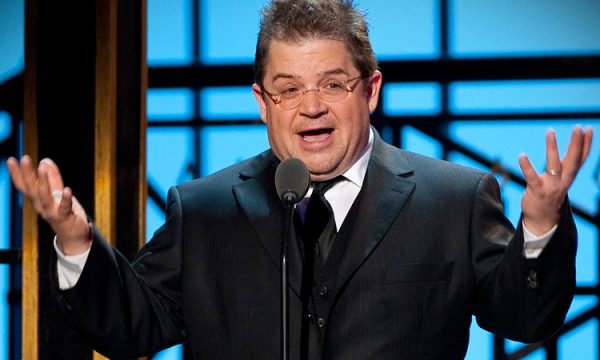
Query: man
[421, 245]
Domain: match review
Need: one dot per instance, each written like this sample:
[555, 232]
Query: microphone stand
[285, 239]
[291, 182]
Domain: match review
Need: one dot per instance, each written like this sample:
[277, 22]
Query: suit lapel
[385, 191]
[258, 199]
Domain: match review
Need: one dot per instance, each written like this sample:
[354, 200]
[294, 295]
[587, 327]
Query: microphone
[291, 180]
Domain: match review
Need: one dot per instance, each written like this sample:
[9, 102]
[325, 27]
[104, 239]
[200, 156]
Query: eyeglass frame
[317, 89]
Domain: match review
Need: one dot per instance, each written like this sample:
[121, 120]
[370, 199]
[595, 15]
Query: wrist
[539, 227]
[71, 246]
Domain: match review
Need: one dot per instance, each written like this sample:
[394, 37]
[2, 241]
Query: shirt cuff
[69, 268]
[534, 245]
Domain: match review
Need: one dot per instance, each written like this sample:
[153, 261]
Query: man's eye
[289, 92]
[333, 85]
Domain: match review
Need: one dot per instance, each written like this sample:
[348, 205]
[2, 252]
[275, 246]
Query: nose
[312, 105]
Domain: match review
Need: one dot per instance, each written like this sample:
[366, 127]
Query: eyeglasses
[290, 96]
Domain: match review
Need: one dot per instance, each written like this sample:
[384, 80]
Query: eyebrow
[335, 71]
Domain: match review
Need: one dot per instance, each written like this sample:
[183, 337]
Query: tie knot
[321, 187]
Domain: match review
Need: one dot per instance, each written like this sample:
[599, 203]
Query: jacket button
[320, 322]
[323, 291]
[532, 280]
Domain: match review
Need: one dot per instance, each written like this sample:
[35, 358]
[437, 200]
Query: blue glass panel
[4, 269]
[4, 207]
[227, 103]
[490, 28]
[155, 217]
[172, 353]
[170, 104]
[12, 38]
[5, 125]
[226, 145]
[513, 346]
[491, 97]
[415, 141]
[581, 343]
[412, 99]
[403, 29]
[538, 355]
[414, 24]
[170, 32]
[169, 152]
[228, 30]
[581, 303]
[480, 343]
[587, 253]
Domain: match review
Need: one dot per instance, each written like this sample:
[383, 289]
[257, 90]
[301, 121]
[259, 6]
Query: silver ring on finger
[57, 195]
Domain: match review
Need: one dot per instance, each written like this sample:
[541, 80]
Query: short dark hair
[293, 20]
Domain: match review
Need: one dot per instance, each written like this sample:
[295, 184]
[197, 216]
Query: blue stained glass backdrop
[4, 269]
[489, 28]
[170, 33]
[498, 97]
[219, 148]
[170, 104]
[412, 99]
[228, 103]
[404, 29]
[228, 31]
[12, 38]
[407, 29]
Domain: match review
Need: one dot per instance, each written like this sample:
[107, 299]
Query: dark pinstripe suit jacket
[430, 248]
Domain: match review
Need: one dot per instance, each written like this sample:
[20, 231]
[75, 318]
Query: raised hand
[545, 193]
[53, 201]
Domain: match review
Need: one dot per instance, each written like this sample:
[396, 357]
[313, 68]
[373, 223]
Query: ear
[262, 106]
[373, 88]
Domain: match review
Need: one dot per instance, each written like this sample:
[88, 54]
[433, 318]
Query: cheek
[280, 137]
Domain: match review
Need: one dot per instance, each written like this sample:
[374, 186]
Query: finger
[587, 143]
[14, 170]
[45, 197]
[553, 165]
[572, 160]
[54, 177]
[66, 202]
[29, 177]
[529, 172]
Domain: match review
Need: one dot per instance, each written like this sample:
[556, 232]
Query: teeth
[315, 138]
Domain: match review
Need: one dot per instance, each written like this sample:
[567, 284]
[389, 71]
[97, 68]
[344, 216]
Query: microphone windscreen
[292, 180]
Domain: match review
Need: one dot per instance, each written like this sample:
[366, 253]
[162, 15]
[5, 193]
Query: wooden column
[84, 107]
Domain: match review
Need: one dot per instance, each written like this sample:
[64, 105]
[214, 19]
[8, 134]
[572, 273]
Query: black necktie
[319, 223]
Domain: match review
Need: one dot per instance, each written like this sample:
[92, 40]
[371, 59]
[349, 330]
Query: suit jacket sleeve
[122, 309]
[518, 298]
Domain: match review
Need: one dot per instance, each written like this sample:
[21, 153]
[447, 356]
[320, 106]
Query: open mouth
[316, 135]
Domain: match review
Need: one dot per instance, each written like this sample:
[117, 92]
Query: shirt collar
[356, 173]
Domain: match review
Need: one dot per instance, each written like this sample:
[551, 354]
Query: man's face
[328, 136]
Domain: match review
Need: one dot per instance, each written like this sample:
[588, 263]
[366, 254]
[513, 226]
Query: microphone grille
[292, 180]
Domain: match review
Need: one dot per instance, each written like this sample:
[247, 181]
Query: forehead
[308, 59]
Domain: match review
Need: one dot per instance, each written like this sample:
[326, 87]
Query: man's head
[314, 88]
[294, 20]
